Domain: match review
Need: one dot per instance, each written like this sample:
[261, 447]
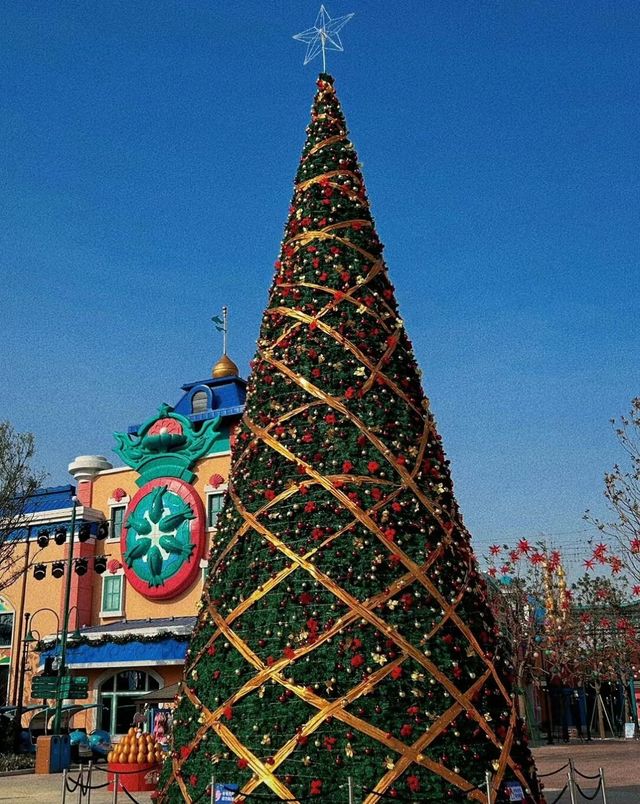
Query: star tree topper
[323, 36]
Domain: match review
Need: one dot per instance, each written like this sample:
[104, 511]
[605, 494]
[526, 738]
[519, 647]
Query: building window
[112, 588]
[214, 506]
[6, 630]
[199, 402]
[118, 695]
[117, 520]
[4, 684]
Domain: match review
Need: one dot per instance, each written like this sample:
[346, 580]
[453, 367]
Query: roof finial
[221, 325]
[323, 36]
[225, 367]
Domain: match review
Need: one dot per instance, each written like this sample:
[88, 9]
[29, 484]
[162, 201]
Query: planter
[133, 777]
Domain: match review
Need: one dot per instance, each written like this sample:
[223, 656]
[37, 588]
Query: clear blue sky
[148, 154]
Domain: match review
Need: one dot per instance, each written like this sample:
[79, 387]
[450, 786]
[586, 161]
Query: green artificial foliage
[344, 630]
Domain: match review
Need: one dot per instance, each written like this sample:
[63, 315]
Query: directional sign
[44, 687]
[72, 687]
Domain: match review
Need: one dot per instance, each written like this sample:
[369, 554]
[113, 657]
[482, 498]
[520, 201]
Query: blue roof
[130, 654]
[224, 397]
[50, 499]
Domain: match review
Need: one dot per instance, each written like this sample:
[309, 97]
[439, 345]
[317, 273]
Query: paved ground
[620, 760]
[48, 790]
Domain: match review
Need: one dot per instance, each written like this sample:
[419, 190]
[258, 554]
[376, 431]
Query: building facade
[143, 531]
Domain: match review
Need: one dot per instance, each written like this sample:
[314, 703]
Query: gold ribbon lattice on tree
[344, 629]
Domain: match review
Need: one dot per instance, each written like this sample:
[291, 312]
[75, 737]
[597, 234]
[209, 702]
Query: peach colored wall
[136, 605]
[86, 590]
[45, 594]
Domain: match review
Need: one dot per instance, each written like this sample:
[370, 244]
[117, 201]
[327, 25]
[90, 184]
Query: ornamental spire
[345, 630]
[224, 367]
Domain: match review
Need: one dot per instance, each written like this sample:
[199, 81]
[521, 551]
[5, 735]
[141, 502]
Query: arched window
[6, 624]
[6, 639]
[117, 695]
[199, 402]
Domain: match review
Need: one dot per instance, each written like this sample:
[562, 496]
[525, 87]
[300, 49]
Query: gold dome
[225, 367]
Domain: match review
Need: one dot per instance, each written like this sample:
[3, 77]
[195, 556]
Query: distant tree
[579, 636]
[600, 644]
[622, 492]
[18, 481]
[530, 601]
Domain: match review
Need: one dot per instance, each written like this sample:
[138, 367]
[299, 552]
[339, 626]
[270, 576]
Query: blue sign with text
[225, 793]
[514, 791]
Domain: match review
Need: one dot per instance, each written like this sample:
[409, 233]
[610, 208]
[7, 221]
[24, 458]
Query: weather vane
[221, 325]
[323, 36]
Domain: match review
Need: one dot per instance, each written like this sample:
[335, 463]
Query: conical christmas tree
[345, 630]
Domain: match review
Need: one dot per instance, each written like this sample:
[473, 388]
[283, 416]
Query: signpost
[60, 687]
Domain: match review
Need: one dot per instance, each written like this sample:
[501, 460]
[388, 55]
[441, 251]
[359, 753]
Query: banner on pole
[513, 791]
[225, 793]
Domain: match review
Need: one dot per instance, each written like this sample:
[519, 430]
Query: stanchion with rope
[572, 792]
[553, 773]
[584, 775]
[350, 782]
[213, 788]
[63, 797]
[80, 784]
[604, 787]
[488, 779]
[116, 785]
[559, 796]
[593, 795]
[130, 797]
[89, 774]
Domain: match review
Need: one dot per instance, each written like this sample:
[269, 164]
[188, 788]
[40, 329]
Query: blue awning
[128, 654]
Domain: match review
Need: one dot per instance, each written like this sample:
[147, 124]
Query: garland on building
[344, 629]
[106, 639]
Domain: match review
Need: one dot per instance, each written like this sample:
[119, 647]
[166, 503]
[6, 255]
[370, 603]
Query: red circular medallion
[163, 538]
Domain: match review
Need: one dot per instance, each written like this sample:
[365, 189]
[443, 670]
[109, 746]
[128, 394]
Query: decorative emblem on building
[167, 445]
[163, 536]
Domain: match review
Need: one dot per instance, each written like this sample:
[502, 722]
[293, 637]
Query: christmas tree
[344, 630]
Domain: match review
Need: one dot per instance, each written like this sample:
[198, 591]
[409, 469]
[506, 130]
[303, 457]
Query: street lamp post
[22, 669]
[23, 592]
[29, 638]
[65, 623]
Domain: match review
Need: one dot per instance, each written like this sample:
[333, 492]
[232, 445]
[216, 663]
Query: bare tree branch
[18, 482]
[622, 492]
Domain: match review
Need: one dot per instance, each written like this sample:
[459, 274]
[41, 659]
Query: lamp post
[65, 623]
[31, 634]
[22, 669]
[28, 638]
[17, 697]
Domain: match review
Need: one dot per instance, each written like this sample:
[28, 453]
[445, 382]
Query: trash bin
[53, 753]
[60, 753]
